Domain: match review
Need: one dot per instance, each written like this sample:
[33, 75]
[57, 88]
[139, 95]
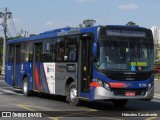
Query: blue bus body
[35, 59]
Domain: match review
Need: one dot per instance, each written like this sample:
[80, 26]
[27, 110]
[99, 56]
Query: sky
[36, 16]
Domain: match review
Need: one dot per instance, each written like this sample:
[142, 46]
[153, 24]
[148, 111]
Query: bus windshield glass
[125, 54]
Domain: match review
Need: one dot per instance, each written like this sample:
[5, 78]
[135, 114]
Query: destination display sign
[125, 33]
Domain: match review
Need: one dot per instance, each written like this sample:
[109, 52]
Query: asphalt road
[55, 107]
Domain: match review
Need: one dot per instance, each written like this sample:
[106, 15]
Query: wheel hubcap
[73, 94]
[25, 87]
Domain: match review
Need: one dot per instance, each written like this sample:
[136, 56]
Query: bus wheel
[72, 94]
[119, 103]
[26, 91]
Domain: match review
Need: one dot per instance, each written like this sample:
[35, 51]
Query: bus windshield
[127, 55]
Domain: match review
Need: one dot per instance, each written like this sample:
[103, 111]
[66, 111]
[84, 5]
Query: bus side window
[25, 51]
[71, 48]
[59, 50]
[30, 51]
[73, 52]
[18, 54]
[10, 53]
[38, 53]
[48, 50]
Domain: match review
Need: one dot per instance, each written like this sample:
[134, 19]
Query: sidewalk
[156, 76]
[1, 77]
[156, 79]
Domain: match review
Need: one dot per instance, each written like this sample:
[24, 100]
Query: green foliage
[1, 39]
[12, 38]
[157, 64]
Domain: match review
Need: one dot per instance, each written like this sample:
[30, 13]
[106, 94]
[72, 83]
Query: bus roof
[54, 33]
[67, 31]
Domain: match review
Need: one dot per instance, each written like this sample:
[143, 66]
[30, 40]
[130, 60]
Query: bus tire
[119, 103]
[67, 96]
[25, 88]
[72, 94]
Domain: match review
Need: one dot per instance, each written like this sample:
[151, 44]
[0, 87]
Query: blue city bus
[110, 62]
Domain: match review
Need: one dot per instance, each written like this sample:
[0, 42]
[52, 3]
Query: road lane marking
[37, 107]
[151, 118]
[88, 109]
[10, 92]
[54, 118]
[29, 109]
[25, 107]
[83, 113]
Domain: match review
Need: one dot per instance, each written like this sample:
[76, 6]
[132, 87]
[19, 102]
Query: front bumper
[101, 93]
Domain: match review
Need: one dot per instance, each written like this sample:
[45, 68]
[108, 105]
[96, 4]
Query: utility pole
[4, 16]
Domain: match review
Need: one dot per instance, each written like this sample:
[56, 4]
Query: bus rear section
[124, 64]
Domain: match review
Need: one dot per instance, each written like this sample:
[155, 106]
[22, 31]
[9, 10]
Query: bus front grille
[122, 92]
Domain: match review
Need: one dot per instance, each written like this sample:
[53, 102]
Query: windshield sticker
[142, 64]
[133, 68]
[133, 64]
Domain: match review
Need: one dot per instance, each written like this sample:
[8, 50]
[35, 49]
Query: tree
[12, 38]
[130, 23]
[1, 50]
[1, 40]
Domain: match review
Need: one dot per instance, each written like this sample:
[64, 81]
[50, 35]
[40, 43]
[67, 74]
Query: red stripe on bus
[37, 80]
[94, 84]
[116, 85]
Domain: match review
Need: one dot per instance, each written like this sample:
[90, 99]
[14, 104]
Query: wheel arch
[68, 82]
[28, 92]
[25, 76]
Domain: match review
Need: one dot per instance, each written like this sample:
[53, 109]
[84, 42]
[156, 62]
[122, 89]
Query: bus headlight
[106, 85]
[150, 85]
[103, 84]
[100, 82]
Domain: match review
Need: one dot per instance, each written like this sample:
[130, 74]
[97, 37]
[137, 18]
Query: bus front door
[84, 66]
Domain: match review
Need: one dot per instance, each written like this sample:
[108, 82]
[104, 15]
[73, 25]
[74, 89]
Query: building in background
[156, 37]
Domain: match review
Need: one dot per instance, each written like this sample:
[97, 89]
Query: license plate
[130, 93]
